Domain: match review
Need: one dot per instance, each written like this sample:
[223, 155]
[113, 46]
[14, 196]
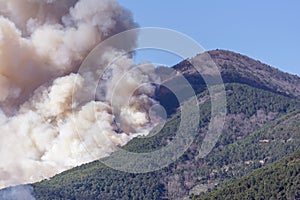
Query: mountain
[280, 180]
[239, 68]
[261, 127]
[234, 68]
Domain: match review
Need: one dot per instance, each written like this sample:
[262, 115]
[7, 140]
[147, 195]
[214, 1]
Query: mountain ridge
[242, 66]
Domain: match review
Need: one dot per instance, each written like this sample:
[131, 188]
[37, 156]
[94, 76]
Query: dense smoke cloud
[43, 129]
[40, 40]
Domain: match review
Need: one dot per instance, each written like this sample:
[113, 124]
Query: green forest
[280, 180]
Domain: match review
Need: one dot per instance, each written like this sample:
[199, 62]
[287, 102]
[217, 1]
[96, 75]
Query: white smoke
[43, 129]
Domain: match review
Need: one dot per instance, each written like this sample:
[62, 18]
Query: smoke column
[43, 131]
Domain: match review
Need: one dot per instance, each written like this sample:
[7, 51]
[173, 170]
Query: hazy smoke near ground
[21, 192]
[43, 130]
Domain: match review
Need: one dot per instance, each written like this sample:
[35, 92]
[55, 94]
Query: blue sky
[266, 30]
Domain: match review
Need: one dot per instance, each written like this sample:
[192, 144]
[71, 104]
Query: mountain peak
[235, 67]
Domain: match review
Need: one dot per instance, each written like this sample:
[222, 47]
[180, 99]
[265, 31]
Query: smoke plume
[43, 129]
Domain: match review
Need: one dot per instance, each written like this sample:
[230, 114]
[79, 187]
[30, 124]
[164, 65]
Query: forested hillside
[261, 127]
[280, 180]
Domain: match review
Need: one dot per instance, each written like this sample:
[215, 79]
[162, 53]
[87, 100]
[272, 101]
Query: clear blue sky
[267, 30]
